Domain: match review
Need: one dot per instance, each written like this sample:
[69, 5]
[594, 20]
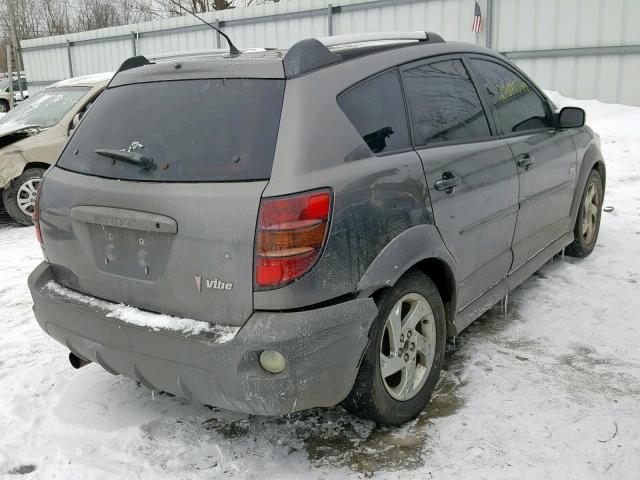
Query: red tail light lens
[290, 236]
[36, 220]
[36, 215]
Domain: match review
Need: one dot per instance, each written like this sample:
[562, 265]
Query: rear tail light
[36, 219]
[290, 235]
[36, 214]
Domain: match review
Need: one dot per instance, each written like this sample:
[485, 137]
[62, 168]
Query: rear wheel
[19, 197]
[588, 221]
[4, 106]
[402, 363]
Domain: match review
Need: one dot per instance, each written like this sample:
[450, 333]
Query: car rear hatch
[165, 221]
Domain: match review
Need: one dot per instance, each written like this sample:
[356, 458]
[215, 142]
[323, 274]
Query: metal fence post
[329, 20]
[69, 59]
[134, 46]
[489, 39]
[217, 25]
[20, 85]
[10, 71]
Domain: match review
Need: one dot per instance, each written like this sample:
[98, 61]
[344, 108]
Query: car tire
[588, 220]
[19, 196]
[396, 398]
[4, 106]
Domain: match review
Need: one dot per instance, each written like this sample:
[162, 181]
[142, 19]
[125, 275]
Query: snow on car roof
[84, 80]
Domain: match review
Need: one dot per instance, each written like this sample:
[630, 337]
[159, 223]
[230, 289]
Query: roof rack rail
[188, 53]
[313, 53]
[372, 37]
[167, 57]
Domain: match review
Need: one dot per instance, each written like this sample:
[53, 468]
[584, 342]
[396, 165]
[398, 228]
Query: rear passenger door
[471, 174]
[546, 157]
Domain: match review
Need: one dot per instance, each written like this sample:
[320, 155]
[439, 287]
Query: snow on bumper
[323, 347]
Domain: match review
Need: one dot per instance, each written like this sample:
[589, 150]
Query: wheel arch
[591, 160]
[419, 248]
[16, 166]
[442, 275]
[602, 170]
[36, 165]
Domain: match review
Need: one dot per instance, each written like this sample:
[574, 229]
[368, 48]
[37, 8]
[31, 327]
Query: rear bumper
[322, 346]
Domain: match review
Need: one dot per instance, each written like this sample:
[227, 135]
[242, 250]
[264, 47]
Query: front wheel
[402, 363]
[4, 106]
[588, 220]
[19, 197]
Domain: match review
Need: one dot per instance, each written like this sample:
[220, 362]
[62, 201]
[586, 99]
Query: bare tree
[28, 23]
[3, 53]
[42, 18]
[201, 6]
[38, 18]
[55, 15]
[196, 6]
[94, 14]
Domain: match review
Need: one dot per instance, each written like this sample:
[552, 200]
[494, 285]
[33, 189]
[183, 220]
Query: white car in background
[33, 134]
[5, 95]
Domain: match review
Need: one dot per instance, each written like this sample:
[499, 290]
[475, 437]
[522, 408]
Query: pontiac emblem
[198, 279]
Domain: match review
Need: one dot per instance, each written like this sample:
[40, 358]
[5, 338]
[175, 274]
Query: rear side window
[444, 103]
[194, 130]
[376, 108]
[517, 106]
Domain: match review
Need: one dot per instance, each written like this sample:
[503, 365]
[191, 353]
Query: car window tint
[207, 130]
[517, 106]
[444, 103]
[376, 109]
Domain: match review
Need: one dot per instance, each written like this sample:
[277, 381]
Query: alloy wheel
[408, 347]
[590, 209]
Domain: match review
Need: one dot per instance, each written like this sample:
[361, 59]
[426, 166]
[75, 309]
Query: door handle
[448, 183]
[526, 161]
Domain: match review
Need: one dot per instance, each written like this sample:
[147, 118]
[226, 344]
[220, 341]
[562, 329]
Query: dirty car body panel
[323, 360]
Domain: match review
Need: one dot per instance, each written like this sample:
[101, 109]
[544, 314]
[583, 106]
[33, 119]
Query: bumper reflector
[272, 361]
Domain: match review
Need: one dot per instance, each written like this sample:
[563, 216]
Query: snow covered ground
[552, 390]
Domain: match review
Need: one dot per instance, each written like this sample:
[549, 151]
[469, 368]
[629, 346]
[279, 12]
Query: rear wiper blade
[146, 163]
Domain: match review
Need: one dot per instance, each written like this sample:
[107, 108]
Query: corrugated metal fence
[582, 48]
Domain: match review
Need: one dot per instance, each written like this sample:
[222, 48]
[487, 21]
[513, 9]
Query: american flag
[477, 19]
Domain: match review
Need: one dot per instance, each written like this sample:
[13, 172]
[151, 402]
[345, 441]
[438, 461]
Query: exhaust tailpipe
[77, 362]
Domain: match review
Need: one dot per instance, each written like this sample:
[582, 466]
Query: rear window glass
[376, 108]
[192, 130]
